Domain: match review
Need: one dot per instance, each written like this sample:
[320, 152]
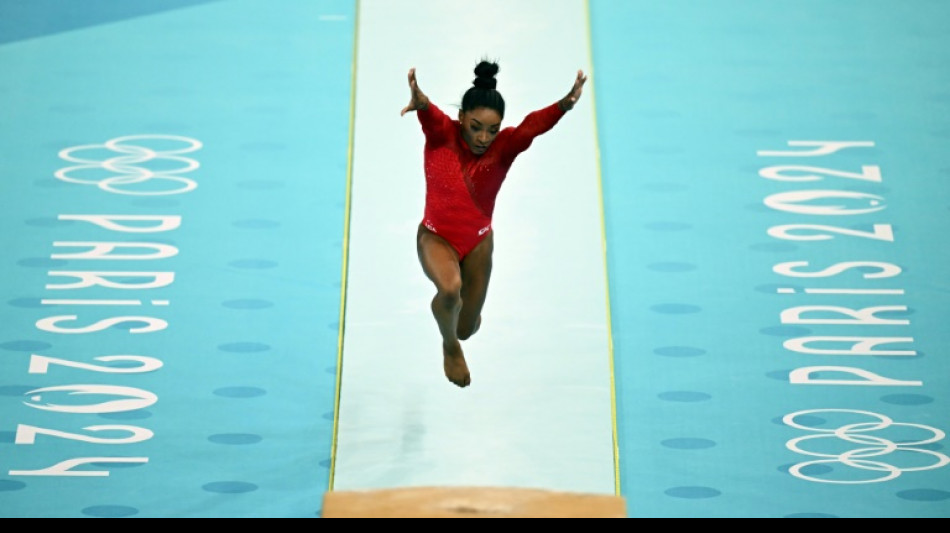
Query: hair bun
[485, 83]
[485, 72]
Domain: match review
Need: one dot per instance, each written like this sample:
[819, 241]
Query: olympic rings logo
[135, 163]
[871, 446]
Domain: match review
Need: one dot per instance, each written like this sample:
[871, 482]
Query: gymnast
[465, 163]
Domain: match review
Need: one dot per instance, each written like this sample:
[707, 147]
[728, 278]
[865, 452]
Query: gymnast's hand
[567, 103]
[418, 100]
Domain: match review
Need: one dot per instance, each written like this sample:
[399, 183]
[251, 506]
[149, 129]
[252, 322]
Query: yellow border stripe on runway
[603, 227]
[346, 240]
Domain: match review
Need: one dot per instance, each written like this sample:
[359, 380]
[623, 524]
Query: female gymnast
[465, 162]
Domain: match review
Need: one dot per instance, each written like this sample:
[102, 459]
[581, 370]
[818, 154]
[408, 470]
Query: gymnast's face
[479, 128]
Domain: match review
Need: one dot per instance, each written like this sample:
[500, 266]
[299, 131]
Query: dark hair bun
[486, 71]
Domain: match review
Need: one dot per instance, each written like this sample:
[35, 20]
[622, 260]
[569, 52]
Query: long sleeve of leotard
[534, 124]
[436, 125]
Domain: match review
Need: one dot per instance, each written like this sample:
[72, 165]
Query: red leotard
[460, 186]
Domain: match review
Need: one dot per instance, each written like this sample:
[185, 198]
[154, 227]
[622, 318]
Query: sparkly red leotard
[460, 186]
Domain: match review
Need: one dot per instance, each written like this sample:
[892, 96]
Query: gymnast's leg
[440, 262]
[476, 272]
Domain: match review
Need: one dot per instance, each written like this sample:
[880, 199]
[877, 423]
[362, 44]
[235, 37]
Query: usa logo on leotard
[137, 163]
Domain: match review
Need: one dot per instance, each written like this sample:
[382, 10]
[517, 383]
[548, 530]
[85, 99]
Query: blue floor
[706, 224]
[240, 414]
[741, 389]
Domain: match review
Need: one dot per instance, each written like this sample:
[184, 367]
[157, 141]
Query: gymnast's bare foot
[454, 363]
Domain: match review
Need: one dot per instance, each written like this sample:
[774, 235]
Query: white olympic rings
[872, 446]
[125, 170]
